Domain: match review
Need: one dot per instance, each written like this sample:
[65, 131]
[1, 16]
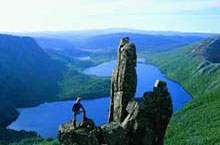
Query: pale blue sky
[175, 15]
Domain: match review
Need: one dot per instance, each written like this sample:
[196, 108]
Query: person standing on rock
[78, 109]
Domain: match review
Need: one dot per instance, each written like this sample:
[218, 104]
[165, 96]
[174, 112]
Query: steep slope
[198, 122]
[210, 49]
[143, 41]
[28, 75]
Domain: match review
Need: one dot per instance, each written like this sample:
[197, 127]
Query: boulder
[81, 135]
[148, 118]
[114, 134]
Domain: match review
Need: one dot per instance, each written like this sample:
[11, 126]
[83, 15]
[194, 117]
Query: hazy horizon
[201, 16]
[107, 28]
[100, 29]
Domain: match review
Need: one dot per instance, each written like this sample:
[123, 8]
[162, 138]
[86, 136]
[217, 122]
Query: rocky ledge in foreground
[131, 121]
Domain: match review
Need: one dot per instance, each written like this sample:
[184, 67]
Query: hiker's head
[78, 100]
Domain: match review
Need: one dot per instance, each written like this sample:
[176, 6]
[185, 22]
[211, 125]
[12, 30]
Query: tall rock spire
[124, 81]
[133, 121]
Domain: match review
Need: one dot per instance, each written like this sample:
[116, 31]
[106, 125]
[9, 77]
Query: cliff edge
[131, 121]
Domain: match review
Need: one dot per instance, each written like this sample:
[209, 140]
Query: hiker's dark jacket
[76, 107]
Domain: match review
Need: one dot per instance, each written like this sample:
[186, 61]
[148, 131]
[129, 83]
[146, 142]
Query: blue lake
[45, 118]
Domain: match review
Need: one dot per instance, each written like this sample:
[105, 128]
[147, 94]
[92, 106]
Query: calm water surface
[45, 118]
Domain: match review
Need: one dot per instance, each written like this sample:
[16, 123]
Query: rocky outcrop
[69, 135]
[132, 121]
[148, 118]
[209, 49]
[124, 81]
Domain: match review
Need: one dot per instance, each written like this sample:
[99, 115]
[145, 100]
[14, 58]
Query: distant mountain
[81, 39]
[28, 74]
[81, 34]
[142, 41]
[60, 46]
[56, 44]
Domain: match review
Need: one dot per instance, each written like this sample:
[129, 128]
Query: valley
[97, 109]
[31, 76]
[44, 71]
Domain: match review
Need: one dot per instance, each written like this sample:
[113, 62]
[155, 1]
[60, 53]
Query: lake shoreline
[171, 79]
[143, 67]
[33, 106]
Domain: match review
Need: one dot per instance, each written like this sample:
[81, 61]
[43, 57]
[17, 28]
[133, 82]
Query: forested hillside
[28, 74]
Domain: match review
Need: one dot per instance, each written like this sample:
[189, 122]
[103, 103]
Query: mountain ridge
[93, 32]
[143, 41]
